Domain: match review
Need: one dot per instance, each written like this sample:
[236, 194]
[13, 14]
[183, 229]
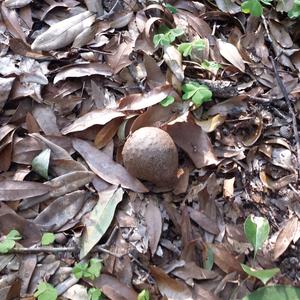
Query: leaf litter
[78, 78]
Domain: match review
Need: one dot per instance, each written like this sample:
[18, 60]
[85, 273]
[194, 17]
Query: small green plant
[186, 48]
[254, 7]
[94, 294]
[257, 230]
[166, 35]
[198, 93]
[90, 270]
[144, 295]
[211, 66]
[170, 7]
[295, 11]
[9, 242]
[45, 291]
[47, 238]
[263, 275]
[167, 101]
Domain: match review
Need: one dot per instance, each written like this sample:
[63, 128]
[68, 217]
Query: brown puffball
[150, 154]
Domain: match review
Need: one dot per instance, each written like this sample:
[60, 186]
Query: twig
[23, 250]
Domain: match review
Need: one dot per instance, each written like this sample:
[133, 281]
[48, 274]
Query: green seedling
[144, 295]
[48, 238]
[186, 48]
[197, 93]
[9, 242]
[89, 270]
[167, 101]
[254, 7]
[45, 291]
[94, 294]
[166, 35]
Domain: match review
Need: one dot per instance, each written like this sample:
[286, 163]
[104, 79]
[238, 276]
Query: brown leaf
[231, 53]
[95, 117]
[285, 236]
[280, 34]
[11, 190]
[60, 211]
[16, 3]
[169, 287]
[225, 260]
[64, 32]
[103, 166]
[120, 58]
[194, 141]
[83, 69]
[61, 185]
[114, 289]
[153, 221]
[204, 221]
[140, 101]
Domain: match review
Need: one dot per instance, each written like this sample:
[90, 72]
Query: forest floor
[79, 79]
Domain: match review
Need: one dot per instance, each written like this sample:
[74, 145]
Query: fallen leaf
[16, 3]
[114, 289]
[153, 221]
[99, 219]
[231, 53]
[83, 69]
[95, 117]
[140, 101]
[103, 166]
[171, 288]
[211, 124]
[173, 59]
[60, 211]
[11, 190]
[64, 32]
[194, 141]
[5, 88]
[285, 236]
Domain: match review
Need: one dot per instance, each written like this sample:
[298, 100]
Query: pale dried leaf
[64, 32]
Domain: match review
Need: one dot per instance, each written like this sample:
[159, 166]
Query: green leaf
[208, 261]
[185, 49]
[45, 291]
[6, 246]
[170, 7]
[14, 235]
[144, 295]
[79, 270]
[93, 271]
[199, 44]
[198, 93]
[211, 66]
[100, 218]
[94, 293]
[40, 163]
[167, 101]
[9, 242]
[262, 275]
[257, 231]
[166, 35]
[295, 11]
[279, 292]
[252, 7]
[48, 238]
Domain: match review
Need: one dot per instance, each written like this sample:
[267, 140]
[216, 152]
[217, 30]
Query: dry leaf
[153, 221]
[103, 166]
[16, 3]
[195, 142]
[173, 59]
[231, 53]
[63, 33]
[286, 236]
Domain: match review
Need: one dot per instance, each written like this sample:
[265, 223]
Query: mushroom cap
[150, 154]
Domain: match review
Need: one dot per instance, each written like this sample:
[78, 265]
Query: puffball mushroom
[150, 154]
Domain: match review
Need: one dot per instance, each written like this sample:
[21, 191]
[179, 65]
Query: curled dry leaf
[140, 101]
[278, 184]
[64, 32]
[103, 166]
[95, 117]
[286, 236]
[195, 142]
[153, 220]
[83, 69]
[173, 59]
[231, 53]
